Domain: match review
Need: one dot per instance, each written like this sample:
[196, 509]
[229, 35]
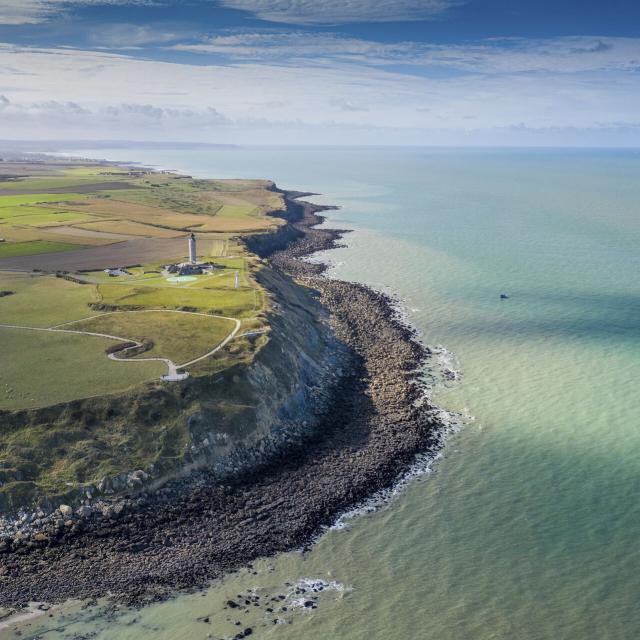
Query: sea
[528, 525]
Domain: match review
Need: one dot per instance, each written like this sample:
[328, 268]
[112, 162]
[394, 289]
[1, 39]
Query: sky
[361, 72]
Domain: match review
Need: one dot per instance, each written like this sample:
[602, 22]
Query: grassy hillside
[42, 368]
[70, 209]
[179, 337]
[68, 412]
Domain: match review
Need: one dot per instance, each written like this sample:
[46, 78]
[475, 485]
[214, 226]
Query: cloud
[126, 116]
[36, 11]
[318, 12]
[571, 54]
[296, 45]
[346, 105]
[496, 55]
[132, 35]
[77, 93]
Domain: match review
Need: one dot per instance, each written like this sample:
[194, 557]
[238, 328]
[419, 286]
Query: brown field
[174, 220]
[250, 194]
[139, 213]
[131, 218]
[19, 234]
[88, 236]
[126, 228]
[138, 251]
[54, 234]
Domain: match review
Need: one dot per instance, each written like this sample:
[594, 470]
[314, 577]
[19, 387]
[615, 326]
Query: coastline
[378, 421]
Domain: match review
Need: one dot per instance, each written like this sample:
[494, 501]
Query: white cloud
[342, 11]
[65, 92]
[297, 45]
[133, 35]
[505, 55]
[346, 105]
[62, 116]
[35, 11]
[515, 55]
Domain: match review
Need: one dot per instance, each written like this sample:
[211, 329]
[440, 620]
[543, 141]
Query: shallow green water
[529, 527]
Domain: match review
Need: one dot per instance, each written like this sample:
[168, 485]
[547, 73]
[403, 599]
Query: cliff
[228, 420]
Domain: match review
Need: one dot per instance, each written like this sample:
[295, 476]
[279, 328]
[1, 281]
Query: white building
[193, 254]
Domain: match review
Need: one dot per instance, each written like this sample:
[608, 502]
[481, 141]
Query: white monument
[193, 255]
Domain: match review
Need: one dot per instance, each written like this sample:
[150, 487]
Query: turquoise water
[528, 528]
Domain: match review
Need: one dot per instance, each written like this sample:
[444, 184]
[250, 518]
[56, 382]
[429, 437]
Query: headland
[330, 408]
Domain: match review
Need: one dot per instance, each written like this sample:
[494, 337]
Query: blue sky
[323, 71]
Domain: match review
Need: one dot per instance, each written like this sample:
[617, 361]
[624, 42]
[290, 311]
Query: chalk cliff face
[229, 421]
[282, 394]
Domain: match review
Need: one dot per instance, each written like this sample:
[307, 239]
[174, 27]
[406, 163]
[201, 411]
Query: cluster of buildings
[114, 272]
[190, 268]
[193, 267]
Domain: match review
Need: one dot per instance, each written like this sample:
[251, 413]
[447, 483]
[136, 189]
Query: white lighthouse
[193, 255]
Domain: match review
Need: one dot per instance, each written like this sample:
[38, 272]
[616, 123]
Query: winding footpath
[172, 375]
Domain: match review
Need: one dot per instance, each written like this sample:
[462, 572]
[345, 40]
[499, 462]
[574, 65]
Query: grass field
[41, 217]
[124, 416]
[64, 177]
[61, 233]
[19, 200]
[41, 368]
[11, 249]
[8, 213]
[153, 206]
[226, 302]
[43, 301]
[181, 337]
[128, 228]
[214, 293]
[240, 218]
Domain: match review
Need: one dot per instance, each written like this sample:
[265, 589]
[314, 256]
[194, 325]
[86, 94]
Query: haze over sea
[529, 528]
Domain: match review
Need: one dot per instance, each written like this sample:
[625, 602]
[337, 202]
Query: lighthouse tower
[193, 255]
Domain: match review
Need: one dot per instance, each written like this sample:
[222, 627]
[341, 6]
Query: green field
[181, 337]
[214, 293]
[8, 213]
[68, 413]
[43, 300]
[39, 216]
[33, 247]
[40, 368]
[20, 213]
[222, 301]
[19, 200]
[175, 195]
[237, 211]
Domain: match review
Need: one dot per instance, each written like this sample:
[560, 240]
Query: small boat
[504, 296]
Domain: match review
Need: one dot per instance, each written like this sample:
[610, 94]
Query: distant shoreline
[377, 421]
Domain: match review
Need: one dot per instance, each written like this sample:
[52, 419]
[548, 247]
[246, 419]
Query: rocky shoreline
[193, 530]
